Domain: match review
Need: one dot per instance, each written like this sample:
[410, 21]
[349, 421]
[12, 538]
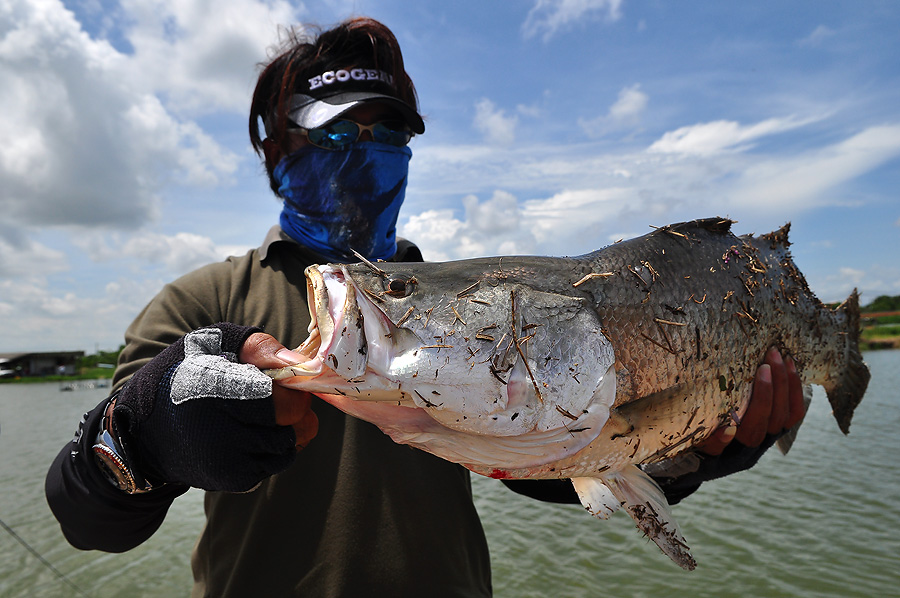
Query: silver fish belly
[582, 368]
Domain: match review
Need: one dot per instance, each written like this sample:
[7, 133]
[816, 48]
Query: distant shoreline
[87, 377]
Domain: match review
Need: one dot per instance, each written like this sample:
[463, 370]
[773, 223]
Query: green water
[823, 521]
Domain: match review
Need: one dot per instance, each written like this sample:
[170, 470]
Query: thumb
[264, 351]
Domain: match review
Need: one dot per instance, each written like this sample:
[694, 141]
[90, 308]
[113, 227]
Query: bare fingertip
[289, 357]
[764, 373]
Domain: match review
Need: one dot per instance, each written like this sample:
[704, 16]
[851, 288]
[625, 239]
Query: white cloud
[491, 227]
[437, 233]
[494, 124]
[567, 199]
[500, 214]
[626, 112]
[25, 258]
[565, 223]
[82, 139]
[178, 254]
[873, 280]
[851, 275]
[568, 222]
[721, 136]
[819, 35]
[202, 54]
[804, 181]
[48, 319]
[552, 16]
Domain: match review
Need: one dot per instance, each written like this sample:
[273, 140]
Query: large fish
[582, 368]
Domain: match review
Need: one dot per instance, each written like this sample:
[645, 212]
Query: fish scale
[584, 367]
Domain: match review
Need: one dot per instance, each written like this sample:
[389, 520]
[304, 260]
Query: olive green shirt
[355, 515]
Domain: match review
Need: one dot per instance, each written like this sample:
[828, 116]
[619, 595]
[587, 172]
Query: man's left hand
[776, 405]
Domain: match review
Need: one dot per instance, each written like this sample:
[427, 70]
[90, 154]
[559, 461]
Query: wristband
[111, 459]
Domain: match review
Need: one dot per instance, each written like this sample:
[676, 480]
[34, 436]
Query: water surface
[823, 521]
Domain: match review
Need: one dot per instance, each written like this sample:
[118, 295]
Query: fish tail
[846, 391]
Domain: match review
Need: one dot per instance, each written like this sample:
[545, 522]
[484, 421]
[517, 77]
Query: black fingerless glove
[678, 477]
[195, 416]
[735, 458]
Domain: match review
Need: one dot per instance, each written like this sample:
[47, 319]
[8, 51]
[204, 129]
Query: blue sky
[553, 128]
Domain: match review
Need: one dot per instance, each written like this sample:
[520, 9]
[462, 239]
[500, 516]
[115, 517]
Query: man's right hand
[202, 414]
[292, 407]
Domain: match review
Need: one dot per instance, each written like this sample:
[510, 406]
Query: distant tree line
[882, 303]
[104, 357]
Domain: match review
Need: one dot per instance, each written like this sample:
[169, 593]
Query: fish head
[480, 346]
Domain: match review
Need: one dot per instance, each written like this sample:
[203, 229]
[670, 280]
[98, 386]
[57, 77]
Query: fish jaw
[348, 340]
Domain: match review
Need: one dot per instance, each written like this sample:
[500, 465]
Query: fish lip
[317, 300]
[321, 327]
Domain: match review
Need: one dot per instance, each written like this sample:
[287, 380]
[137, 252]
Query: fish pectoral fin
[646, 503]
[785, 443]
[596, 497]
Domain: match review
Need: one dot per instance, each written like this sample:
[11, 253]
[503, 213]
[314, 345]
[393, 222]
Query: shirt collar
[275, 235]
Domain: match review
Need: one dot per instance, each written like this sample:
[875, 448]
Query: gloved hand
[195, 416]
[776, 406]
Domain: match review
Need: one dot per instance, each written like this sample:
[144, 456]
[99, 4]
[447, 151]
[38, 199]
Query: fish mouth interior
[321, 320]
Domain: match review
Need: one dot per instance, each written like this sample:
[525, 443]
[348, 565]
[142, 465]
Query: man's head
[314, 80]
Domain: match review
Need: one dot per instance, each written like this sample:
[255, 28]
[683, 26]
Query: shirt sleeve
[93, 514]
[678, 480]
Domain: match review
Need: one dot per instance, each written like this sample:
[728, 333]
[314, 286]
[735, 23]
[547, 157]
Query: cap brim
[308, 112]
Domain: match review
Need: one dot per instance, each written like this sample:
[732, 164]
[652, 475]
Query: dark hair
[359, 42]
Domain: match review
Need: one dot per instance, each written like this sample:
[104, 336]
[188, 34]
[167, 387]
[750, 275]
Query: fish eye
[399, 285]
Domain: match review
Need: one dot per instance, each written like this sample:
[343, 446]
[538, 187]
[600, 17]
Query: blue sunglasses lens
[335, 135]
[383, 133]
[339, 134]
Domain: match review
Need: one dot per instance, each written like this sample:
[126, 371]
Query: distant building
[39, 364]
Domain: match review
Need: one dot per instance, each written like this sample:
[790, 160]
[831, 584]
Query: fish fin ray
[519, 389]
[657, 409]
[646, 503]
[596, 497]
[785, 443]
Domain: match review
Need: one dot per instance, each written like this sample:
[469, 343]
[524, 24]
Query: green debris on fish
[587, 368]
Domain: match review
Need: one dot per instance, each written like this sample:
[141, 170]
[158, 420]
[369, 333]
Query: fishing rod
[43, 561]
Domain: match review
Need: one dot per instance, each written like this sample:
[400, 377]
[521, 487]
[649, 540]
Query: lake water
[823, 521]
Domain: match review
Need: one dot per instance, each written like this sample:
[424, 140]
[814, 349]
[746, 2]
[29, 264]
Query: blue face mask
[335, 201]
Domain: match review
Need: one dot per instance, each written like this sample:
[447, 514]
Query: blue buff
[340, 200]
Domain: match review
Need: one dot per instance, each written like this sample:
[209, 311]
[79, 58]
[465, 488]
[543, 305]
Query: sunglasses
[340, 134]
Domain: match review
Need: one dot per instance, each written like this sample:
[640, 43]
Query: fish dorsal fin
[647, 505]
[713, 225]
[779, 237]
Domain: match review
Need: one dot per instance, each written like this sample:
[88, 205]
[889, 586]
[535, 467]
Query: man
[303, 500]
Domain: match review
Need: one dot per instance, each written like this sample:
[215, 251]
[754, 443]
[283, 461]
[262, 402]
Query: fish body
[584, 367]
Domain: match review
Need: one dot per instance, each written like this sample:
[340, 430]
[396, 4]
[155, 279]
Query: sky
[552, 128]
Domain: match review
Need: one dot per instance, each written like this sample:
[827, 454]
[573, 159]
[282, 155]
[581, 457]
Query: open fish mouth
[348, 337]
[336, 333]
